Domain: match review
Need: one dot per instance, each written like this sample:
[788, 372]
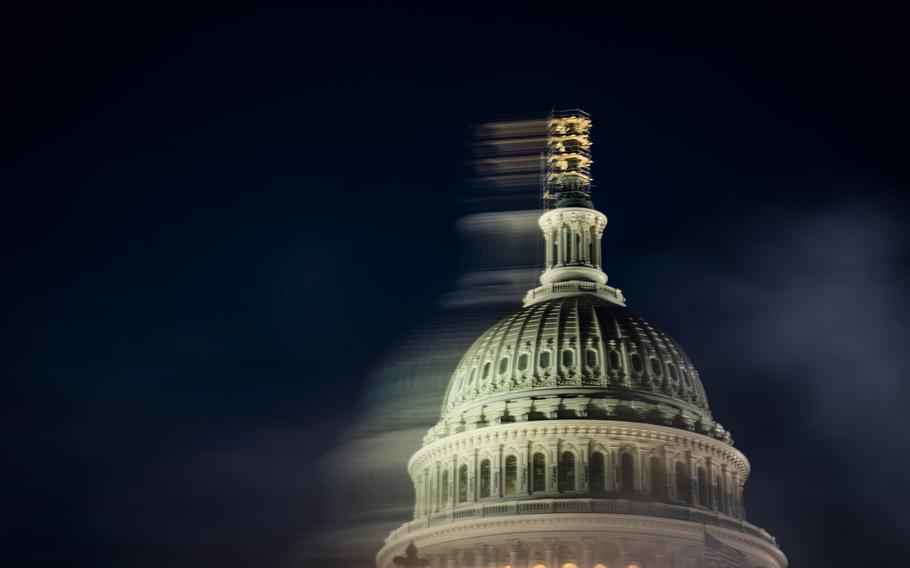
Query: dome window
[444, 490]
[522, 361]
[591, 358]
[614, 360]
[674, 374]
[484, 479]
[568, 358]
[567, 472]
[486, 371]
[503, 365]
[627, 472]
[702, 487]
[472, 377]
[636, 362]
[656, 367]
[539, 473]
[544, 359]
[682, 482]
[511, 475]
[657, 476]
[463, 483]
[598, 473]
[686, 378]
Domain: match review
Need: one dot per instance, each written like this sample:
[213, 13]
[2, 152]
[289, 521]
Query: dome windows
[486, 371]
[568, 358]
[503, 365]
[636, 362]
[522, 361]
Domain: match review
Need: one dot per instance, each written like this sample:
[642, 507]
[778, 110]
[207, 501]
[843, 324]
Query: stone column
[550, 552]
[452, 558]
[587, 552]
[563, 248]
[513, 553]
[597, 252]
[480, 555]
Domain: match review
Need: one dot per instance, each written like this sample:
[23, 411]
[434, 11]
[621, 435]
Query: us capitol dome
[574, 433]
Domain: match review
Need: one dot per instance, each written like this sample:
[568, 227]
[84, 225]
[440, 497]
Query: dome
[577, 356]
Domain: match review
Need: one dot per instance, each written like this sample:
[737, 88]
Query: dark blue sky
[202, 212]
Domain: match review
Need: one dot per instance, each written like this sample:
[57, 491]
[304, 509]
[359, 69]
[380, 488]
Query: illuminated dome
[578, 356]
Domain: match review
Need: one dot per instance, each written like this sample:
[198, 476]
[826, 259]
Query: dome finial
[568, 177]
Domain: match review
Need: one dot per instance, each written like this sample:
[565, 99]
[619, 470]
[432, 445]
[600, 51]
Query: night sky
[203, 227]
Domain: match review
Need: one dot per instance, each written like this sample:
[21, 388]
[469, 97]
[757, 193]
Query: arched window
[568, 358]
[636, 362]
[444, 490]
[522, 361]
[627, 474]
[538, 472]
[473, 376]
[597, 473]
[658, 487]
[503, 365]
[463, 483]
[484, 479]
[544, 359]
[567, 472]
[591, 358]
[702, 487]
[486, 371]
[682, 482]
[511, 475]
[673, 373]
[570, 565]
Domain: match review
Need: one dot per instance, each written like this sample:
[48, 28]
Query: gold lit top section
[568, 159]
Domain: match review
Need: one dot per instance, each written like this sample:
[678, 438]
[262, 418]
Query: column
[480, 555]
[549, 250]
[585, 245]
[597, 253]
[563, 246]
[587, 552]
[513, 553]
[549, 554]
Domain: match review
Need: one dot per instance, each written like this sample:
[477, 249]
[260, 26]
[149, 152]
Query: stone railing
[573, 286]
[608, 506]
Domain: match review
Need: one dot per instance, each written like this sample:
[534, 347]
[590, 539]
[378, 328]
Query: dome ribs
[585, 352]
